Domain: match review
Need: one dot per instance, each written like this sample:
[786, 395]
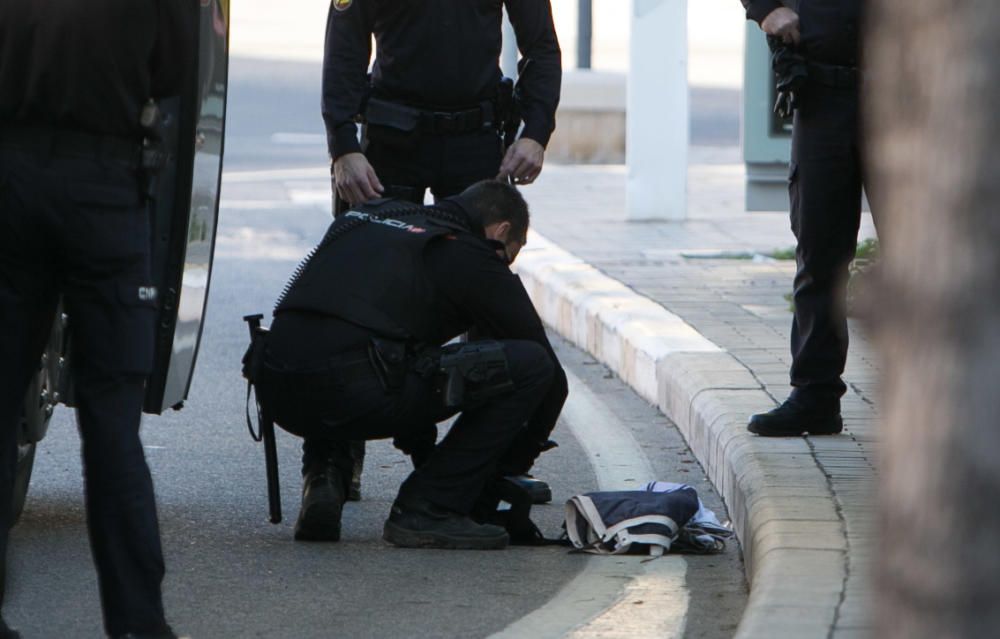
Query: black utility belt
[836, 76]
[411, 119]
[466, 374]
[63, 143]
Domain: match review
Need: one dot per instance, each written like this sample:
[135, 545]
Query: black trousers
[73, 224]
[333, 408]
[825, 185]
[410, 163]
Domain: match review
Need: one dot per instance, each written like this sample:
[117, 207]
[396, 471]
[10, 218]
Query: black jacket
[435, 54]
[830, 29]
[352, 288]
[90, 65]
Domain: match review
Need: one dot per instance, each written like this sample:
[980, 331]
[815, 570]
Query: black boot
[322, 503]
[797, 416]
[539, 490]
[415, 523]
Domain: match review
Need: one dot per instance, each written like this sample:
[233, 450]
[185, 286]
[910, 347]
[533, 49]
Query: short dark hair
[495, 201]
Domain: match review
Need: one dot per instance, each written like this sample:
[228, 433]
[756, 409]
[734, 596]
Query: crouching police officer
[354, 353]
[73, 79]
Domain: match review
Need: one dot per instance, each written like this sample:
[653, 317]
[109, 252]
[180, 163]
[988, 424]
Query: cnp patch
[342, 5]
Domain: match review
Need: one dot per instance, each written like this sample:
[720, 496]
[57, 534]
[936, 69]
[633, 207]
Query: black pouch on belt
[474, 373]
[388, 358]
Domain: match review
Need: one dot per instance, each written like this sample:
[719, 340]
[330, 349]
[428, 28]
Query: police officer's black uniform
[419, 277]
[433, 103]
[73, 78]
[825, 184]
[431, 100]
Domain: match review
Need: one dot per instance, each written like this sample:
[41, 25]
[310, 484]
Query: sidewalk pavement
[677, 311]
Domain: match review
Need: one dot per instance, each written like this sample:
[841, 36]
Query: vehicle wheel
[25, 462]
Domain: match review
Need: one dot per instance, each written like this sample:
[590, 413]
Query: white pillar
[657, 129]
[509, 54]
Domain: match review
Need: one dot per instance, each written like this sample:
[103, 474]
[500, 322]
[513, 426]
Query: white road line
[625, 597]
[266, 175]
[299, 139]
[618, 461]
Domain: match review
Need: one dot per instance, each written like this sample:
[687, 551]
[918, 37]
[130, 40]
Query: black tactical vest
[369, 269]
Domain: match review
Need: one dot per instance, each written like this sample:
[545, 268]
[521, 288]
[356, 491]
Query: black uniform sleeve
[173, 52]
[542, 79]
[345, 72]
[475, 280]
[757, 10]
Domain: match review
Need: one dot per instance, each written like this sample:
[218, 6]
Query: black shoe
[322, 505]
[540, 491]
[793, 418]
[420, 524]
[6, 632]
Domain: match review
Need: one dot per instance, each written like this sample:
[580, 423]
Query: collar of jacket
[456, 206]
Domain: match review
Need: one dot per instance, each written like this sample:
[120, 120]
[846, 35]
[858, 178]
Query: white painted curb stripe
[621, 596]
[628, 332]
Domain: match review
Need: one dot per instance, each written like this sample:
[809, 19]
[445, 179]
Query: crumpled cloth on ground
[662, 517]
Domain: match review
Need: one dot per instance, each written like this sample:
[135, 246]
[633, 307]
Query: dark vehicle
[184, 204]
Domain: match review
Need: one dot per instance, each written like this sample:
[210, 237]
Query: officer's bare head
[503, 212]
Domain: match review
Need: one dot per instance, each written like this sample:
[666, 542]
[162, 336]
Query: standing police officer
[74, 77]
[434, 106]
[354, 353]
[825, 183]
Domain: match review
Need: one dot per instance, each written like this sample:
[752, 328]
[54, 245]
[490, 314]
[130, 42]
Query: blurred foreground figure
[74, 77]
[934, 133]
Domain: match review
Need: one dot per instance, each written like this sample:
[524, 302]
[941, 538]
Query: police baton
[265, 432]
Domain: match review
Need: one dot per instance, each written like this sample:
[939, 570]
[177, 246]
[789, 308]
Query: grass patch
[782, 254]
[867, 250]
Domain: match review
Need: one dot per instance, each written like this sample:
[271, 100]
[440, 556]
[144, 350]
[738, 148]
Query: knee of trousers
[530, 365]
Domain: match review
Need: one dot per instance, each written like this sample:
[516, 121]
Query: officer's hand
[782, 23]
[355, 179]
[523, 161]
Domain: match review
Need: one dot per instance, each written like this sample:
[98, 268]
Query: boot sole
[319, 522]
[406, 538]
[826, 426]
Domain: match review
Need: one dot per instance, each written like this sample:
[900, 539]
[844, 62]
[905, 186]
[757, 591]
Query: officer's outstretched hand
[355, 179]
[523, 161]
[782, 23]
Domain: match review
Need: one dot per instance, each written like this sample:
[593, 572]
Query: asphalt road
[231, 574]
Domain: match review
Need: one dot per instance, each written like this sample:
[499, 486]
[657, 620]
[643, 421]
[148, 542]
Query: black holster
[473, 373]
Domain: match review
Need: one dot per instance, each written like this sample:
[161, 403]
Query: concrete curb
[783, 510]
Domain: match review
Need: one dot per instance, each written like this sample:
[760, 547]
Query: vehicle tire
[22, 477]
